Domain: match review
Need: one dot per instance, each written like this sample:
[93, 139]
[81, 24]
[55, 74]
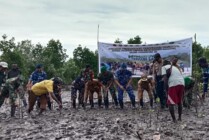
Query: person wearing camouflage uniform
[123, 78]
[106, 78]
[3, 94]
[77, 85]
[15, 72]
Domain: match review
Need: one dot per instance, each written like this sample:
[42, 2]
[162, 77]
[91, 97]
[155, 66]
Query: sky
[75, 22]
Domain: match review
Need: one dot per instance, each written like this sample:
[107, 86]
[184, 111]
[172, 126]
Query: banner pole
[98, 49]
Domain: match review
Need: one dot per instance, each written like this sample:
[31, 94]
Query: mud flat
[98, 123]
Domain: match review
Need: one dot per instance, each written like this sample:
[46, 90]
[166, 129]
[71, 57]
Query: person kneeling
[41, 90]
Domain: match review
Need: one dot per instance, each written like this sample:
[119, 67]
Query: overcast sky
[76, 22]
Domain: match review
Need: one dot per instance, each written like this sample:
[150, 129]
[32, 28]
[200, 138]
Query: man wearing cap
[123, 78]
[41, 90]
[3, 95]
[144, 84]
[157, 73]
[106, 78]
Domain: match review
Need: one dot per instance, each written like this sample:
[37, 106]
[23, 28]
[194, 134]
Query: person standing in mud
[15, 72]
[123, 79]
[3, 69]
[42, 90]
[106, 78]
[175, 82]
[77, 85]
[205, 73]
[157, 73]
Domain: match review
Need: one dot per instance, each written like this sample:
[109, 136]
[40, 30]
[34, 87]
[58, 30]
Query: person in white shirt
[175, 91]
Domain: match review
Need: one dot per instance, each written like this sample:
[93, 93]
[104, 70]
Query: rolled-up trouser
[32, 99]
[130, 93]
[160, 91]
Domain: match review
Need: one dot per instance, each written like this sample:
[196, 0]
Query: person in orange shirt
[41, 90]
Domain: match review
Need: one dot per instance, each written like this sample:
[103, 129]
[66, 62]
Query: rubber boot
[99, 102]
[116, 102]
[74, 103]
[91, 103]
[141, 103]
[151, 103]
[106, 103]
[121, 105]
[13, 108]
[133, 103]
[49, 105]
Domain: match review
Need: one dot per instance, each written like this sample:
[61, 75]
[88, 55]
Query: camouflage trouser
[12, 93]
[74, 94]
[113, 94]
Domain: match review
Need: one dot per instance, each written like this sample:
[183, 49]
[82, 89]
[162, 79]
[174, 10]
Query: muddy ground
[112, 124]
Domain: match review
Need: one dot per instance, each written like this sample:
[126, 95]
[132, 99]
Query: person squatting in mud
[145, 84]
[202, 62]
[106, 78]
[174, 80]
[77, 85]
[123, 79]
[42, 90]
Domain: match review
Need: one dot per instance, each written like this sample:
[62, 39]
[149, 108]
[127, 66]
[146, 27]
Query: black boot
[116, 102]
[74, 103]
[99, 102]
[121, 105]
[13, 108]
[91, 103]
[141, 103]
[106, 103]
[151, 103]
[133, 103]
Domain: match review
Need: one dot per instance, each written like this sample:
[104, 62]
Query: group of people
[166, 84]
[39, 89]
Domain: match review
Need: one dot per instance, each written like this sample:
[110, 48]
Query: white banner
[140, 57]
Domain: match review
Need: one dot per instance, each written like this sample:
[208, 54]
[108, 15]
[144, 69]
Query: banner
[139, 57]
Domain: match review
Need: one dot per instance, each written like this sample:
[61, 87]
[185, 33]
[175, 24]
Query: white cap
[4, 64]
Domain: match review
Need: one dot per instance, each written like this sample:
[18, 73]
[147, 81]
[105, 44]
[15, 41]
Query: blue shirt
[123, 76]
[38, 77]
